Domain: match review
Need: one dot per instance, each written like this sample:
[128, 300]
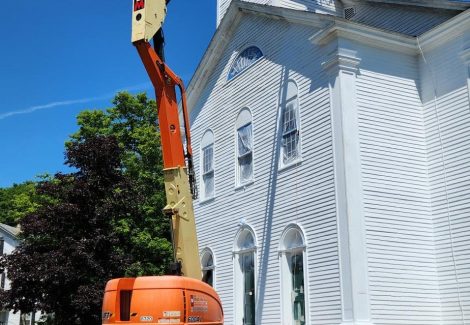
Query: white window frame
[208, 140]
[288, 96]
[237, 57]
[244, 119]
[238, 290]
[204, 256]
[286, 275]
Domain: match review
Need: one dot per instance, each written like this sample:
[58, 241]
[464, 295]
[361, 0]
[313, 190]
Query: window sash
[290, 145]
[298, 288]
[209, 184]
[245, 140]
[290, 117]
[208, 160]
[248, 270]
[290, 131]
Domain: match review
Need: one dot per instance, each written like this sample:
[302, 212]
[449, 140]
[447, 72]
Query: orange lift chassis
[181, 299]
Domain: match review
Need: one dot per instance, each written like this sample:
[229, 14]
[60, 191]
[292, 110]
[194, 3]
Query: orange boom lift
[181, 299]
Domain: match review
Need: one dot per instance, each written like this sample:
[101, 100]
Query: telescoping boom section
[182, 298]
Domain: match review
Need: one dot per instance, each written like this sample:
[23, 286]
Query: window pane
[246, 168]
[249, 288]
[298, 294]
[208, 158]
[245, 155]
[290, 117]
[208, 185]
[245, 140]
[208, 277]
[244, 60]
[290, 147]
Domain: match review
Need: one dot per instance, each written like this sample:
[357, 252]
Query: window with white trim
[245, 283]
[290, 126]
[207, 166]
[208, 267]
[293, 286]
[244, 60]
[244, 148]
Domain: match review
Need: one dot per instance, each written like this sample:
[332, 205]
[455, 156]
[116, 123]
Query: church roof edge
[438, 4]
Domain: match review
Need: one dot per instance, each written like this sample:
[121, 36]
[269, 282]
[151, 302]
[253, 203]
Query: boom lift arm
[178, 164]
[169, 299]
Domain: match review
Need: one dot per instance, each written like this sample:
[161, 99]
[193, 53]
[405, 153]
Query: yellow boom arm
[147, 19]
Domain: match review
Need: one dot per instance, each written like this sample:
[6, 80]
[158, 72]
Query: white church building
[332, 148]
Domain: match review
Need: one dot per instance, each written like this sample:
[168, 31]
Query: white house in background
[8, 242]
[332, 141]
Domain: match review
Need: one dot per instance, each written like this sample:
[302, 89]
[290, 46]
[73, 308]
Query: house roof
[440, 4]
[12, 231]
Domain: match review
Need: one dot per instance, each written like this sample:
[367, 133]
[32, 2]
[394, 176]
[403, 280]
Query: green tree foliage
[133, 122]
[74, 243]
[18, 201]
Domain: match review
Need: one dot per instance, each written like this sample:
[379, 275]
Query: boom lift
[184, 298]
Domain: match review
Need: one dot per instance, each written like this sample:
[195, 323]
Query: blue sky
[59, 57]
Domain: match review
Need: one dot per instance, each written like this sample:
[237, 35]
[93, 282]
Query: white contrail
[73, 101]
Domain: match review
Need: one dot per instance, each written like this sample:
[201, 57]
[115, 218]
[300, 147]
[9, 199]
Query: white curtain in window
[245, 153]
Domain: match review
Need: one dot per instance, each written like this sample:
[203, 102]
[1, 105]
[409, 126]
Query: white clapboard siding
[448, 140]
[302, 194]
[399, 227]
[402, 19]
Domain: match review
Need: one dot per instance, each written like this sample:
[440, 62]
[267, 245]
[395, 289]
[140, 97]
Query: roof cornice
[446, 31]
[438, 4]
[365, 34]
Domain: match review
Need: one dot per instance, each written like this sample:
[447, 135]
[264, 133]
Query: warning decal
[139, 4]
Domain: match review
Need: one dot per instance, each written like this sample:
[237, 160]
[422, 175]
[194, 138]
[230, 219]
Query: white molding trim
[355, 300]
[446, 31]
[441, 4]
[295, 16]
[366, 35]
[341, 62]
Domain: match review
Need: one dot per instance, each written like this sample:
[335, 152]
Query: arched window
[244, 60]
[245, 295]
[244, 147]
[207, 166]
[293, 286]
[208, 267]
[290, 125]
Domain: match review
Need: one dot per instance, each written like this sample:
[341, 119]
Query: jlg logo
[139, 4]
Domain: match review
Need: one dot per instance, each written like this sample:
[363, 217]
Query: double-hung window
[290, 127]
[207, 165]
[244, 149]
